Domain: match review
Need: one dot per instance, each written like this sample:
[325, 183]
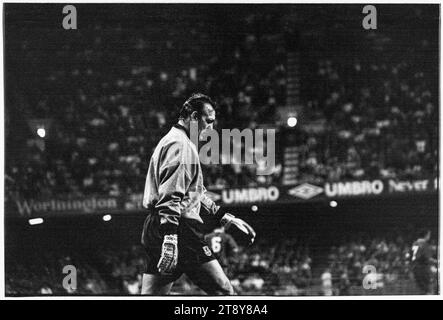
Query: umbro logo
[305, 191]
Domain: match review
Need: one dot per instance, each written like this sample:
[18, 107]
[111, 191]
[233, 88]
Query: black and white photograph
[219, 149]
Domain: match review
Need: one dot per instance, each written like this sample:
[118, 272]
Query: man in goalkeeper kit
[175, 197]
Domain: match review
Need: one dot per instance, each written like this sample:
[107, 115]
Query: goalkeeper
[174, 196]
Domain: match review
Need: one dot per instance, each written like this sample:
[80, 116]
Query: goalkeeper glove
[228, 220]
[169, 255]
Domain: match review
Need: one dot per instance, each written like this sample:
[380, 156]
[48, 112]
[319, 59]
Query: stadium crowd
[110, 93]
[280, 268]
[390, 260]
[283, 267]
[380, 124]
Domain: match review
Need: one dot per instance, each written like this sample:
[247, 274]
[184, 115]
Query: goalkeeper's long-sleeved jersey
[174, 183]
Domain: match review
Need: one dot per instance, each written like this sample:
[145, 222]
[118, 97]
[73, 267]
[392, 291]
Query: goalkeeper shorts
[192, 248]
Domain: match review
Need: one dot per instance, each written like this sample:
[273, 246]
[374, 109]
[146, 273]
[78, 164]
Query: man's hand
[229, 220]
[169, 257]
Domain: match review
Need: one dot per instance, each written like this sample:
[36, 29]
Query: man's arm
[226, 219]
[173, 185]
[209, 205]
[174, 180]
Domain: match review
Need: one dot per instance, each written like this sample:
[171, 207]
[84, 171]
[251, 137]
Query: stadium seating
[110, 96]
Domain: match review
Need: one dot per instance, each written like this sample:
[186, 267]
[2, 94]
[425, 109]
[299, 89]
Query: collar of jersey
[180, 127]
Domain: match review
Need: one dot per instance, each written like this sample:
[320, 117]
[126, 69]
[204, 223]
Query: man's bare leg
[156, 284]
[211, 278]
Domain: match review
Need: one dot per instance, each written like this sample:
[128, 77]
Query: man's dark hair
[195, 103]
[423, 232]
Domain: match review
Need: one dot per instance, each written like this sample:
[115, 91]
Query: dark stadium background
[262, 64]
